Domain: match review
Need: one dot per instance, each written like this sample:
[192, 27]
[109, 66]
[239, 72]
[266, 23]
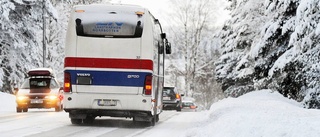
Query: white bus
[114, 63]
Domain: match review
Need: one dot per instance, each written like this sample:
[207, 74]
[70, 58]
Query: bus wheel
[152, 122]
[88, 120]
[76, 121]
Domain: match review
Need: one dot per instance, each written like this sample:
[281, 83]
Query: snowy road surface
[47, 123]
[262, 113]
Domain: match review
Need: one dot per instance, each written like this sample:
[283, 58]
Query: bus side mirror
[163, 35]
[168, 48]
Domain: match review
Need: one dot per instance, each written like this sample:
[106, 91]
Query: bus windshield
[109, 24]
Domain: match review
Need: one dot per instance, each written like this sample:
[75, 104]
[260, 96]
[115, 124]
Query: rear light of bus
[67, 82]
[148, 85]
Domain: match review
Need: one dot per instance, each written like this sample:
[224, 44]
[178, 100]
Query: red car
[39, 90]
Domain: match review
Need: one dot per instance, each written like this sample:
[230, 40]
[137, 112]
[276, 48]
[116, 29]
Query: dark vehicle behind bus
[171, 99]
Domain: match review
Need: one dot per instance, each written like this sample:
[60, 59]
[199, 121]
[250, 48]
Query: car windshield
[37, 83]
[168, 91]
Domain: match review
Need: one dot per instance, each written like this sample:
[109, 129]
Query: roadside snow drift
[8, 103]
[258, 114]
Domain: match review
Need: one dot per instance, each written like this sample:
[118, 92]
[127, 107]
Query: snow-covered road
[262, 113]
[48, 123]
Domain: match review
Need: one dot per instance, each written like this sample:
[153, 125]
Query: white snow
[8, 103]
[259, 114]
[256, 114]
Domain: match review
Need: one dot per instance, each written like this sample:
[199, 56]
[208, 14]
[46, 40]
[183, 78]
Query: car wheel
[178, 108]
[76, 121]
[157, 118]
[19, 110]
[25, 110]
[58, 108]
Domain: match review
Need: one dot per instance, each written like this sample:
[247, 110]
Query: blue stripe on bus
[110, 78]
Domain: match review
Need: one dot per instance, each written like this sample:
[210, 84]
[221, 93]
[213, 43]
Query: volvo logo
[83, 74]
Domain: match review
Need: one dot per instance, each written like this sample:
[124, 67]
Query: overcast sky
[160, 9]
[156, 7]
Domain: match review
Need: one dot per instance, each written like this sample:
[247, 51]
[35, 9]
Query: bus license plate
[105, 102]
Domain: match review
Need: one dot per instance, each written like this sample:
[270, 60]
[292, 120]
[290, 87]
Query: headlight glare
[51, 97]
[21, 98]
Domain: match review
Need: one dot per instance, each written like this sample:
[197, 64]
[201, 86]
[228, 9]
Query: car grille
[36, 96]
[40, 90]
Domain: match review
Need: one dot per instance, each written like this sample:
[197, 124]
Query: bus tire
[88, 120]
[76, 121]
[152, 122]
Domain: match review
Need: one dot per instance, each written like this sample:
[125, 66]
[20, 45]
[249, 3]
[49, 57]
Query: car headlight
[22, 98]
[51, 97]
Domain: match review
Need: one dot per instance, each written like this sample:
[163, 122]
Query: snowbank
[8, 103]
[258, 114]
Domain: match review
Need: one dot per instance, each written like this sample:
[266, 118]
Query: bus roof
[109, 7]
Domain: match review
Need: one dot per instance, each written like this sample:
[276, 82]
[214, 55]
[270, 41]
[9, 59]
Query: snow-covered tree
[272, 44]
[235, 67]
[21, 37]
[192, 25]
